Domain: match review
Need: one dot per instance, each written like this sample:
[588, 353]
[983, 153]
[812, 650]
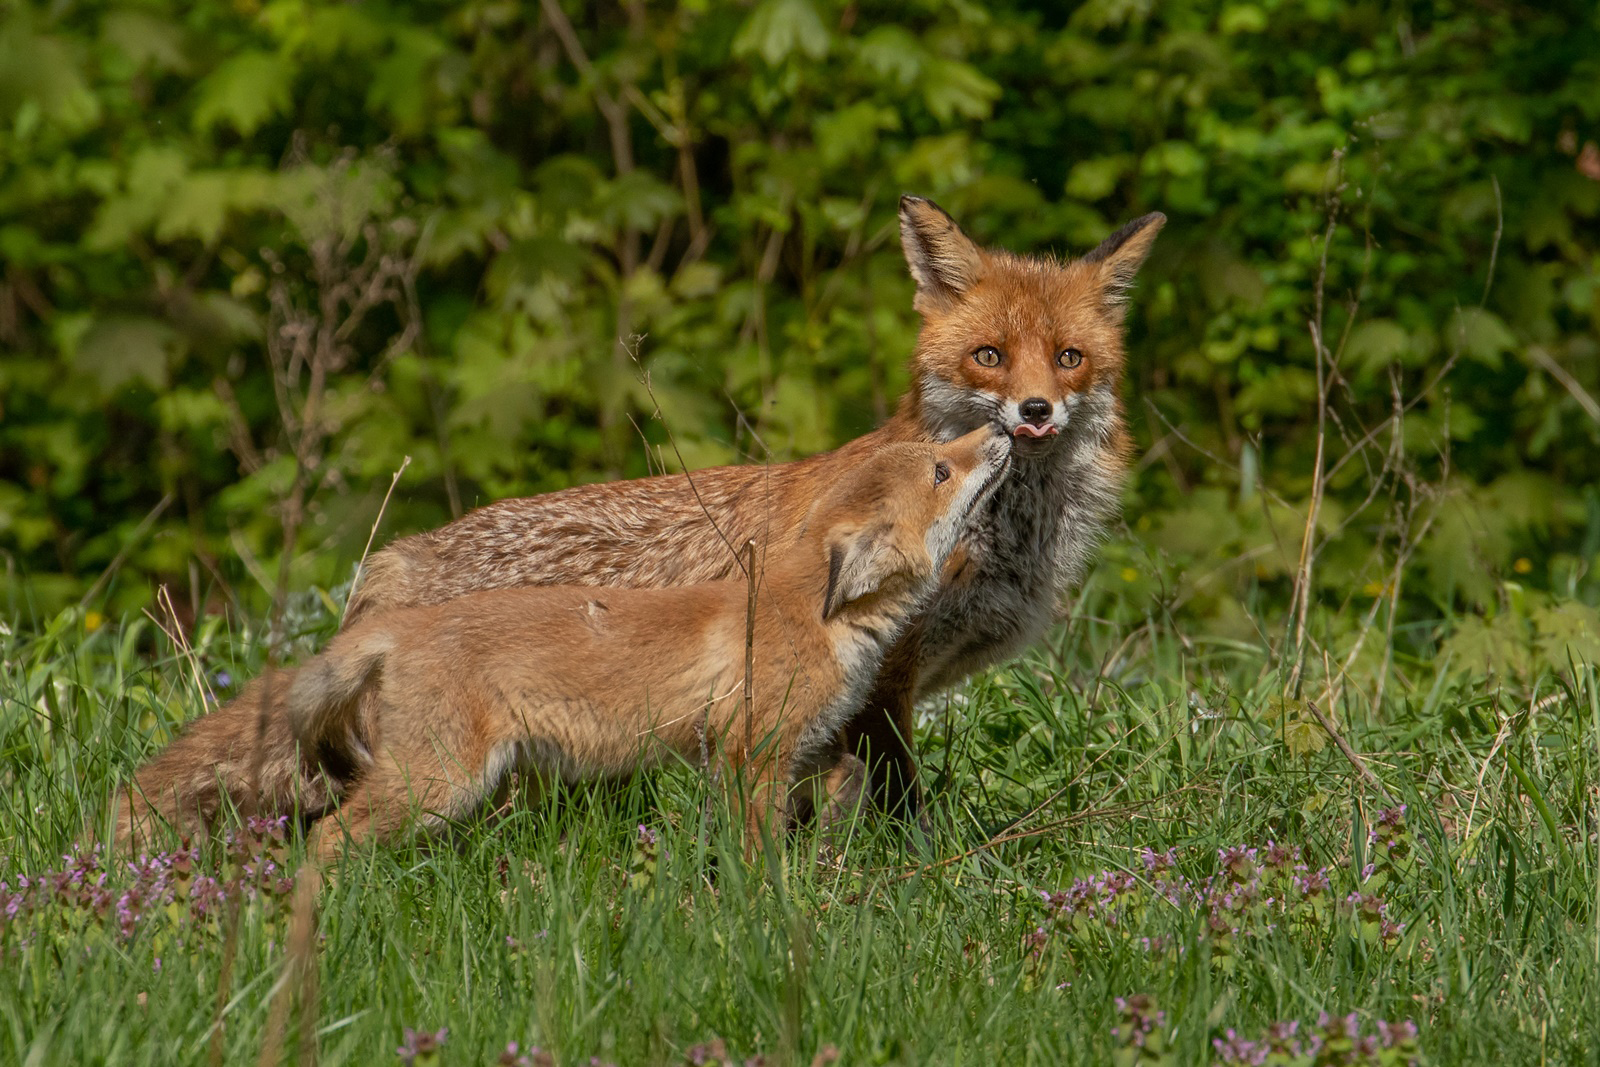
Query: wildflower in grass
[646, 858]
[1157, 864]
[534, 1057]
[421, 1046]
[1238, 862]
[713, 1053]
[1235, 1049]
[1254, 892]
[1313, 884]
[1280, 858]
[1336, 1041]
[1282, 1040]
[1140, 1035]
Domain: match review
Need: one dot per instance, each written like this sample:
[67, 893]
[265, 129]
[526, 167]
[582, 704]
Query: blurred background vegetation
[255, 254]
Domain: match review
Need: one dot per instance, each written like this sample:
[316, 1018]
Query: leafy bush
[565, 196]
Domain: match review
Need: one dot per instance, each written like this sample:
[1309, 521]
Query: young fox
[439, 703]
[1032, 346]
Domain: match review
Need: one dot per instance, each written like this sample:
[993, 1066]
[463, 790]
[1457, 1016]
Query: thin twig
[1301, 599]
[1349, 753]
[750, 648]
[300, 970]
[688, 477]
[1494, 249]
[355, 582]
[1542, 357]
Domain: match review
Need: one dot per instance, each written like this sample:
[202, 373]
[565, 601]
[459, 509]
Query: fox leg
[765, 781]
[880, 734]
[395, 795]
[842, 788]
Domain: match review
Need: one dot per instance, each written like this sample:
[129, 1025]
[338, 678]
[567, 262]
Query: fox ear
[1122, 254]
[858, 565]
[944, 262]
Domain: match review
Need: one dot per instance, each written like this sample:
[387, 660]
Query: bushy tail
[242, 755]
[324, 701]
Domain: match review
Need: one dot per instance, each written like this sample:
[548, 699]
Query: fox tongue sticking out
[1028, 429]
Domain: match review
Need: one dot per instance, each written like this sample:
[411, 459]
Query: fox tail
[324, 701]
[242, 756]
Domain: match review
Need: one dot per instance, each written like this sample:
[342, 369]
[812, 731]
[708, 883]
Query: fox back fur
[1030, 345]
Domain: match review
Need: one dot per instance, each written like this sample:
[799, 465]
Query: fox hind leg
[400, 793]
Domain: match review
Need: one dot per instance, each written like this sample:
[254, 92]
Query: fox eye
[941, 473]
[987, 356]
[1069, 357]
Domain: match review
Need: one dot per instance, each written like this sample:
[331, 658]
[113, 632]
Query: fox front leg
[880, 734]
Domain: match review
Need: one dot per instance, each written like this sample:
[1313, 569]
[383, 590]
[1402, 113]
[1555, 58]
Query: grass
[567, 929]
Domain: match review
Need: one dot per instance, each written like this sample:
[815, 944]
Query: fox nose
[1035, 409]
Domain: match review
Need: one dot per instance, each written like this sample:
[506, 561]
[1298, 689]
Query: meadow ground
[1139, 856]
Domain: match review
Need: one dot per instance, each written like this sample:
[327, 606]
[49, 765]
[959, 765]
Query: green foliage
[714, 186]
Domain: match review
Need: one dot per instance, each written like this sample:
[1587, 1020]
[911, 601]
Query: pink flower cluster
[1140, 1037]
[1336, 1040]
[1254, 890]
[122, 898]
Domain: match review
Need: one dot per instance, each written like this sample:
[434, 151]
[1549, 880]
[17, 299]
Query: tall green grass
[560, 926]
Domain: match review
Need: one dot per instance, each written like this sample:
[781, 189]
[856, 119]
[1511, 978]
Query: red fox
[1027, 344]
[439, 703]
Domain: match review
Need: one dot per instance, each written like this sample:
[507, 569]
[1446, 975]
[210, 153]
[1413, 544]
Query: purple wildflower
[421, 1045]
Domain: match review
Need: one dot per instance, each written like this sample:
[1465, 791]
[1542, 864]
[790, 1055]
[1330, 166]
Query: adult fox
[1030, 344]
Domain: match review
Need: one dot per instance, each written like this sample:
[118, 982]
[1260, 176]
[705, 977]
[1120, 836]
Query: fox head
[888, 526]
[1029, 344]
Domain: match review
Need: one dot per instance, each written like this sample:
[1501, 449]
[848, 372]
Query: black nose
[1036, 409]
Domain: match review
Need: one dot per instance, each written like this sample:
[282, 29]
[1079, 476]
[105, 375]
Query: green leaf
[146, 40]
[1376, 344]
[1279, 708]
[1242, 18]
[45, 72]
[1488, 646]
[402, 83]
[1178, 159]
[119, 350]
[893, 54]
[778, 29]
[1094, 179]
[1304, 738]
[199, 209]
[851, 132]
[952, 88]
[244, 92]
[153, 174]
[1566, 633]
[1481, 335]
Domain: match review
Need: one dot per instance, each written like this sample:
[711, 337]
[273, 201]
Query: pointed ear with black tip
[1122, 254]
[944, 262]
[859, 564]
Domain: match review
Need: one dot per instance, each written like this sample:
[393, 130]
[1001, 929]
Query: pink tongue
[1028, 429]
